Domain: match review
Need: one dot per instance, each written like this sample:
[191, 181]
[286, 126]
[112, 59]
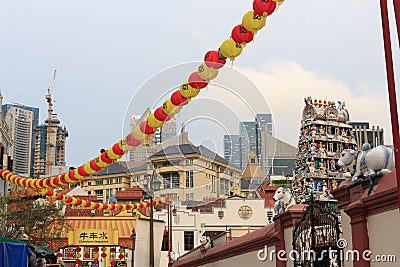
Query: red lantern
[131, 140]
[47, 182]
[55, 181]
[88, 203]
[96, 249]
[105, 158]
[103, 255]
[96, 261]
[240, 35]
[146, 129]
[105, 206]
[264, 7]
[213, 60]
[78, 249]
[49, 193]
[69, 199]
[96, 205]
[69, 255]
[117, 150]
[71, 175]
[112, 249]
[59, 255]
[86, 255]
[120, 206]
[177, 99]
[112, 206]
[41, 181]
[78, 261]
[196, 81]
[78, 202]
[81, 171]
[121, 256]
[62, 179]
[160, 115]
[112, 262]
[128, 206]
[94, 166]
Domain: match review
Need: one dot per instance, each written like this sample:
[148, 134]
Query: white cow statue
[368, 162]
[284, 199]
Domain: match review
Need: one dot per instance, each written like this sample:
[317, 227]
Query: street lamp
[133, 237]
[154, 186]
[171, 212]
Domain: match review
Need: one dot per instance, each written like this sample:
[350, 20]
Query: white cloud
[285, 84]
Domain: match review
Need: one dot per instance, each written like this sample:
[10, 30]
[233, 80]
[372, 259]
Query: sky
[114, 58]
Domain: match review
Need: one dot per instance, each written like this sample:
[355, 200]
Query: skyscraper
[232, 150]
[22, 121]
[249, 138]
[238, 147]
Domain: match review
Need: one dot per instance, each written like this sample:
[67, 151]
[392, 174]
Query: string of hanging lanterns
[252, 21]
[99, 206]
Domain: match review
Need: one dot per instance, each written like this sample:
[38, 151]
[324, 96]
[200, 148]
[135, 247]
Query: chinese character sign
[93, 237]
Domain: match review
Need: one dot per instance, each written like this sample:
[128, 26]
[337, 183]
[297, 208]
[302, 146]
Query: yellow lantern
[112, 155]
[83, 204]
[207, 73]
[170, 108]
[88, 169]
[187, 91]
[253, 22]
[137, 133]
[153, 122]
[74, 200]
[77, 175]
[101, 163]
[230, 49]
[92, 205]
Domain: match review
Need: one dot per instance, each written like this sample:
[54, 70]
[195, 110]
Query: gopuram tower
[325, 132]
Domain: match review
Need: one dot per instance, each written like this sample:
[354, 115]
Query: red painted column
[396, 5]
[281, 222]
[359, 232]
[391, 85]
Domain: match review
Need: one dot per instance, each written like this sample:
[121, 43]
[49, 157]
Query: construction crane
[51, 132]
[48, 96]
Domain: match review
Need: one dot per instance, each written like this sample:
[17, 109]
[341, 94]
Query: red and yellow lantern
[213, 60]
[264, 7]
[253, 22]
[241, 35]
[230, 49]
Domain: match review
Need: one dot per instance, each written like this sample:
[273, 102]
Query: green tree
[31, 220]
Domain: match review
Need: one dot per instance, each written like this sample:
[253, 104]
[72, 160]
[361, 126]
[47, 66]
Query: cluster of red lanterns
[86, 255]
[241, 34]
